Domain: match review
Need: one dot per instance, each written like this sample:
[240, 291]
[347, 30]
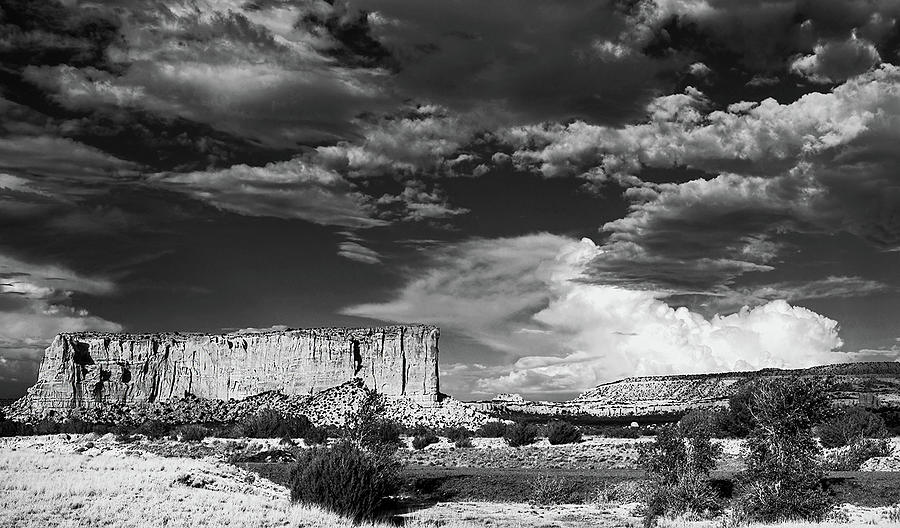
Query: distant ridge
[834, 369]
[879, 381]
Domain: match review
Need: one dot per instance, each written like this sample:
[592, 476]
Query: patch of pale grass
[49, 484]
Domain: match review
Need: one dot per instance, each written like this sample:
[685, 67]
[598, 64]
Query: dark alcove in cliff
[82, 355]
[126, 374]
[357, 357]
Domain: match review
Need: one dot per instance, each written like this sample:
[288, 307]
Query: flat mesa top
[835, 369]
[389, 329]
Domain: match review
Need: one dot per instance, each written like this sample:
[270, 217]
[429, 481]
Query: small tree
[850, 425]
[678, 464]
[783, 480]
[492, 430]
[370, 427]
[269, 423]
[738, 421]
[560, 432]
[520, 434]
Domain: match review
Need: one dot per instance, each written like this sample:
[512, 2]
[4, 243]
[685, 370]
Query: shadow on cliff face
[82, 353]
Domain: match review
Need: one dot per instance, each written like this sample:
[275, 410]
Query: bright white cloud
[422, 139]
[528, 297]
[761, 138]
[836, 61]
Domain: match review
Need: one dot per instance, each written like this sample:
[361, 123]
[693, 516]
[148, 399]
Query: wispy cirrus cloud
[292, 189]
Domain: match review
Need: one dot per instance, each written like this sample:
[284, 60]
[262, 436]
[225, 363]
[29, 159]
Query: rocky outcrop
[331, 407]
[84, 370]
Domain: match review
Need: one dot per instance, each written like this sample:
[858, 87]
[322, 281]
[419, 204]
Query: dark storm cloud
[762, 37]
[539, 60]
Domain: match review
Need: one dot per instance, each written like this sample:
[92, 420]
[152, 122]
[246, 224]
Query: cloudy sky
[574, 191]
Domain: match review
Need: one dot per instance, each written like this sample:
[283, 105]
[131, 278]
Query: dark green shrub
[706, 422]
[233, 430]
[273, 424]
[560, 432]
[192, 433]
[46, 426]
[520, 434]
[153, 429]
[424, 440]
[463, 442]
[419, 430]
[315, 436]
[457, 433]
[346, 479]
[849, 425]
[101, 429]
[853, 456]
[75, 425]
[12, 428]
[783, 480]
[737, 422]
[678, 467]
[492, 430]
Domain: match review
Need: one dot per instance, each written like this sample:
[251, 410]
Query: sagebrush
[347, 479]
[520, 434]
[560, 432]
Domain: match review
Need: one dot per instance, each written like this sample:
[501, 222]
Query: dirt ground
[593, 453]
[86, 481]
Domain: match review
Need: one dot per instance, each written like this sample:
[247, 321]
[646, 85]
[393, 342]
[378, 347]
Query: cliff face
[83, 369]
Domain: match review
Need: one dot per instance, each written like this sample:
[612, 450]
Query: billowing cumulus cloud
[424, 139]
[751, 137]
[826, 156]
[416, 203]
[532, 298]
[837, 61]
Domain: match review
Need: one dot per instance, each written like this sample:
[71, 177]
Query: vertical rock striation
[86, 369]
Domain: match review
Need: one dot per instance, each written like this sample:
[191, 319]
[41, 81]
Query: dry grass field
[86, 482]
